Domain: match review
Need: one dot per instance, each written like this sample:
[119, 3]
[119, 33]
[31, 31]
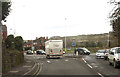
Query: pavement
[22, 68]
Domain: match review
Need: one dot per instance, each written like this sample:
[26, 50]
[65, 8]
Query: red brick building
[38, 43]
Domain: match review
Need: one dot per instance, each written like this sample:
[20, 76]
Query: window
[118, 50]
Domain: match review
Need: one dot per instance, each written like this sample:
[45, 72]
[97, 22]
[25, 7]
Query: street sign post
[73, 43]
[33, 48]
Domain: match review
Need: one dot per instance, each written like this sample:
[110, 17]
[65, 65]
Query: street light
[65, 35]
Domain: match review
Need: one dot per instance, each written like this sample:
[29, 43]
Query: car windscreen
[118, 50]
[101, 51]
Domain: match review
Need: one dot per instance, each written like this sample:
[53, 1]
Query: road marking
[13, 71]
[100, 74]
[48, 61]
[66, 60]
[39, 71]
[84, 60]
[27, 66]
[30, 70]
[89, 65]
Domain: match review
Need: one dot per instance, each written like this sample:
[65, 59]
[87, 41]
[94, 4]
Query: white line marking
[30, 70]
[89, 65]
[100, 74]
[27, 66]
[39, 70]
[48, 61]
[84, 60]
[13, 71]
[66, 60]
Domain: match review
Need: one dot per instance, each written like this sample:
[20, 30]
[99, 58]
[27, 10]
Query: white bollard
[77, 53]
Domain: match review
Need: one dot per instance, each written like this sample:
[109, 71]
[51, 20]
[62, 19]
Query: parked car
[100, 53]
[106, 53]
[114, 57]
[29, 52]
[41, 52]
[82, 51]
[68, 49]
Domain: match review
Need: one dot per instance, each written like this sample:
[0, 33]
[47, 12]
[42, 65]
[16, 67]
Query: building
[38, 43]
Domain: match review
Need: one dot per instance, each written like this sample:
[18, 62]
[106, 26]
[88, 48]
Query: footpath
[20, 69]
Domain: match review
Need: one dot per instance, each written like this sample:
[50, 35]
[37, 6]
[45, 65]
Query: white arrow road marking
[66, 60]
[48, 61]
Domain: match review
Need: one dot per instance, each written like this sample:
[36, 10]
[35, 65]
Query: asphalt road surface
[68, 65]
[85, 65]
[102, 66]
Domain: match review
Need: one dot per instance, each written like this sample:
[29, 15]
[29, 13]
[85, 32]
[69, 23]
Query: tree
[99, 44]
[5, 9]
[9, 42]
[116, 24]
[19, 43]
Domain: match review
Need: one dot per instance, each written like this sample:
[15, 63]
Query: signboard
[33, 48]
[73, 43]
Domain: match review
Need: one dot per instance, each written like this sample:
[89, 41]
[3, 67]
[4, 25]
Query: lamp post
[65, 35]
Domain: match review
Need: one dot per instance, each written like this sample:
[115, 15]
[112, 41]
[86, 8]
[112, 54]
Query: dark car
[82, 51]
[41, 52]
[29, 52]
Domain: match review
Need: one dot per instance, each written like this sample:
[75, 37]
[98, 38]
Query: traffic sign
[33, 48]
[73, 44]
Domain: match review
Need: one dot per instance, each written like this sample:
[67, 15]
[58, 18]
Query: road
[64, 66]
[101, 65]
[86, 65]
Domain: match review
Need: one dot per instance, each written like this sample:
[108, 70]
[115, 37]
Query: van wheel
[115, 64]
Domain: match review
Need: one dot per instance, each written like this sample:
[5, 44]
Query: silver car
[100, 54]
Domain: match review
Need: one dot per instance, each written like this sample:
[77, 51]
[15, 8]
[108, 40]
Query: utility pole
[0, 38]
[65, 35]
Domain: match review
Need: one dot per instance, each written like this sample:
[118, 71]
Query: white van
[54, 48]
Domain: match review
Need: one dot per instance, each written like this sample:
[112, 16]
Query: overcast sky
[36, 18]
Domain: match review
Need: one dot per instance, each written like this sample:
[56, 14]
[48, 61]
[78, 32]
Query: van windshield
[118, 50]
